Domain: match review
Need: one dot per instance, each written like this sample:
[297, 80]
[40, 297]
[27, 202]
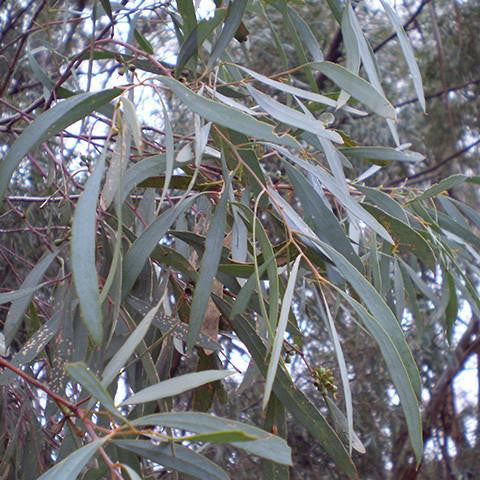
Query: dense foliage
[220, 257]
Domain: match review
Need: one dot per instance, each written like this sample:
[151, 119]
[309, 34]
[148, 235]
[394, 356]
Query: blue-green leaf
[71, 466]
[280, 333]
[226, 116]
[208, 268]
[84, 229]
[176, 385]
[266, 445]
[49, 124]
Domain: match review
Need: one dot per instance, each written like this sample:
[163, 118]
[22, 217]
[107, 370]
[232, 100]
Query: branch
[417, 12]
[62, 402]
[439, 93]
[469, 344]
[436, 166]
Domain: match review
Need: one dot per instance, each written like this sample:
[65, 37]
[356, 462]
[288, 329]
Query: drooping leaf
[18, 307]
[85, 277]
[358, 88]
[265, 444]
[298, 92]
[208, 268]
[233, 18]
[300, 407]
[47, 125]
[175, 386]
[197, 37]
[226, 436]
[81, 374]
[108, 8]
[322, 220]
[72, 466]
[280, 333]
[306, 35]
[142, 247]
[181, 459]
[116, 363]
[226, 116]
[18, 294]
[407, 52]
[291, 116]
[385, 154]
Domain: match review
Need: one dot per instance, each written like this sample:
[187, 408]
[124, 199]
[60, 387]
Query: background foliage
[220, 258]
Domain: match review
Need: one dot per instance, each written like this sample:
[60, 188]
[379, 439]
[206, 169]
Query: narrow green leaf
[181, 459]
[301, 408]
[275, 420]
[306, 35]
[226, 116]
[146, 168]
[407, 239]
[384, 202]
[379, 309]
[208, 268]
[351, 52]
[131, 118]
[116, 363]
[145, 45]
[292, 117]
[18, 307]
[187, 11]
[227, 436]
[233, 19]
[31, 348]
[72, 466]
[81, 374]
[336, 8]
[407, 52]
[331, 184]
[343, 373]
[177, 328]
[395, 361]
[175, 386]
[446, 184]
[298, 92]
[108, 8]
[142, 247]
[370, 64]
[197, 37]
[383, 154]
[265, 445]
[169, 152]
[452, 307]
[280, 333]
[358, 87]
[322, 220]
[18, 294]
[49, 124]
[131, 472]
[84, 230]
[341, 425]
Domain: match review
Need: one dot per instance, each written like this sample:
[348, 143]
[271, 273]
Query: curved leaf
[280, 333]
[49, 124]
[84, 229]
[181, 459]
[265, 445]
[71, 466]
[176, 385]
[358, 88]
[226, 116]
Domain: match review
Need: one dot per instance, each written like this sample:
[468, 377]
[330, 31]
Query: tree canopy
[239, 239]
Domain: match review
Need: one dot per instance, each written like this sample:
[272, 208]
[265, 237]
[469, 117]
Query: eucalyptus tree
[204, 272]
